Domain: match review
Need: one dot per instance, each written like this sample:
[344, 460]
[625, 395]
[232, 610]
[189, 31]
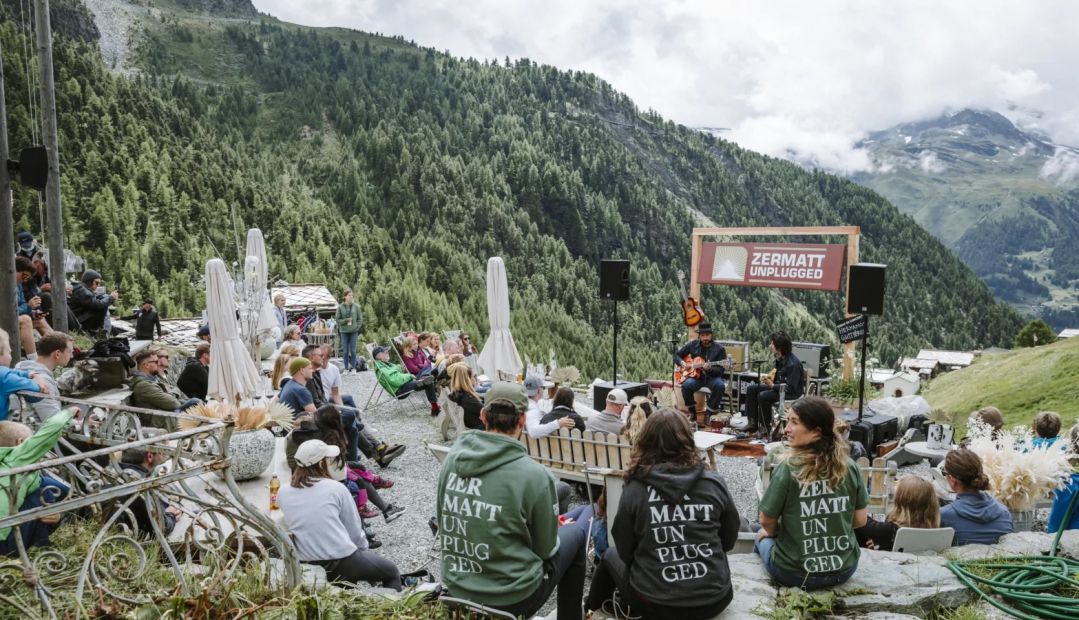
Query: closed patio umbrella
[499, 352]
[233, 375]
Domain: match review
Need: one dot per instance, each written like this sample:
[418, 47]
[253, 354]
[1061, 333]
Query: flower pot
[251, 452]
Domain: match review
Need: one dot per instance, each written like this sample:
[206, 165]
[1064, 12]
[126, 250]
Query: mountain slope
[1007, 201]
[370, 162]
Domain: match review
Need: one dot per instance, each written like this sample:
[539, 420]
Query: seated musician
[710, 358]
[761, 396]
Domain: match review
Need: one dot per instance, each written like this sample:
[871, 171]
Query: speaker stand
[614, 354]
[861, 382]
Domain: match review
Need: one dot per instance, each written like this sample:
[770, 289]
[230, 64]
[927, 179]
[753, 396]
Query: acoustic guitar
[693, 367]
[691, 311]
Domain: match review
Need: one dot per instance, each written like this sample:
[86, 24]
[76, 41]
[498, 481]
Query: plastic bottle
[275, 486]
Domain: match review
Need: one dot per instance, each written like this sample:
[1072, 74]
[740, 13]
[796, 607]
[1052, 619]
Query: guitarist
[710, 377]
[761, 396]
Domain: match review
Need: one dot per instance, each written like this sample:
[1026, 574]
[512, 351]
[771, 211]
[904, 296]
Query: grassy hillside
[1020, 383]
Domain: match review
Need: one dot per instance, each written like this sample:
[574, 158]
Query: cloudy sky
[801, 78]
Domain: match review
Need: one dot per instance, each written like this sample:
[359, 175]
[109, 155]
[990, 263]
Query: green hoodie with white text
[498, 519]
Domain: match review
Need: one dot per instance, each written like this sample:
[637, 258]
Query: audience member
[13, 380]
[814, 502]
[610, 419]
[1062, 497]
[146, 319]
[292, 336]
[1046, 429]
[295, 392]
[915, 505]
[640, 408]
[416, 361]
[397, 381]
[27, 246]
[991, 417]
[533, 386]
[148, 391]
[91, 308]
[857, 450]
[313, 353]
[463, 392]
[280, 365]
[19, 448]
[138, 462]
[761, 396]
[324, 523]
[195, 379]
[976, 516]
[663, 571]
[563, 410]
[498, 527]
[349, 322]
[467, 348]
[28, 303]
[54, 350]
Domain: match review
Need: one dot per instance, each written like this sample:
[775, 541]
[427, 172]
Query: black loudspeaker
[865, 289]
[614, 280]
[600, 391]
[815, 357]
[34, 167]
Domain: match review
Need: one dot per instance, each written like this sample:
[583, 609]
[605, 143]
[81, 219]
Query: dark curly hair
[666, 438]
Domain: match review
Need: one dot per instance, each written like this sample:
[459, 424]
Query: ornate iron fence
[217, 530]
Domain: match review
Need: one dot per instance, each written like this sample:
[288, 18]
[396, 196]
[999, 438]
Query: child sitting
[1062, 497]
[1046, 429]
[18, 448]
[915, 506]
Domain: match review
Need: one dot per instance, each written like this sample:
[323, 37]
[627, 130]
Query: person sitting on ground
[14, 380]
[760, 397]
[195, 378]
[711, 376]
[534, 390]
[915, 505]
[640, 409]
[563, 410]
[138, 462]
[146, 319]
[29, 303]
[1062, 497]
[280, 365]
[1046, 429]
[325, 526]
[813, 504]
[148, 391]
[348, 321]
[41, 273]
[509, 553]
[327, 425]
[91, 308]
[398, 382]
[20, 447]
[857, 450]
[610, 419]
[54, 350]
[976, 516]
[989, 416]
[463, 393]
[416, 361]
[651, 564]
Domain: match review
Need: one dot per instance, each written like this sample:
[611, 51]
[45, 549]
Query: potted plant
[252, 444]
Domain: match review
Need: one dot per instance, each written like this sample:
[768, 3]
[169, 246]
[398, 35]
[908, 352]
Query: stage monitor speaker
[865, 289]
[614, 280]
[739, 350]
[34, 167]
[600, 391]
[815, 357]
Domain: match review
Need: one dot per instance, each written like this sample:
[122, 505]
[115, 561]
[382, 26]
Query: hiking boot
[435, 409]
[425, 381]
[382, 483]
[373, 543]
[409, 580]
[387, 455]
[392, 512]
[368, 512]
[433, 524]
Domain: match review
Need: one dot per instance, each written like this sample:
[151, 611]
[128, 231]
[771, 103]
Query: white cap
[618, 396]
[312, 451]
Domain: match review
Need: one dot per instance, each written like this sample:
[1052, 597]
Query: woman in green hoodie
[349, 320]
[676, 522]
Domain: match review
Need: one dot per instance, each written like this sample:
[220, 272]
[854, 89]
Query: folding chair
[917, 540]
[379, 393]
[451, 417]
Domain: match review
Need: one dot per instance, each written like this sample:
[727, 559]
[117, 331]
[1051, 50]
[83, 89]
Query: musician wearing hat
[705, 360]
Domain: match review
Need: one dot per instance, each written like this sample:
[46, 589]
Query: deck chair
[917, 540]
[379, 395]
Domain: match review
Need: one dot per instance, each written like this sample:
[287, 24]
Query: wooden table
[708, 442]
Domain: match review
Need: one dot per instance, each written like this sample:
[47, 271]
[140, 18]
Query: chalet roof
[1068, 333]
[300, 297]
[918, 363]
[948, 358]
[906, 376]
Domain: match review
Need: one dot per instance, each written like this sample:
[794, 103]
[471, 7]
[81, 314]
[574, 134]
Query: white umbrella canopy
[257, 274]
[499, 352]
[233, 375]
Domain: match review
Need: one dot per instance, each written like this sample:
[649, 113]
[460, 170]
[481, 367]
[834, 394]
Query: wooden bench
[879, 476]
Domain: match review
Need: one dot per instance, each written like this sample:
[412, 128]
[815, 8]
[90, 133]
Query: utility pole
[9, 313]
[55, 215]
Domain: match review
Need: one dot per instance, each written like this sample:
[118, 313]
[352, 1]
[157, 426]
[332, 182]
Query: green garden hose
[1029, 587]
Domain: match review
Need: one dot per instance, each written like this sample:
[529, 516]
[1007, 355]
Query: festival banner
[775, 265]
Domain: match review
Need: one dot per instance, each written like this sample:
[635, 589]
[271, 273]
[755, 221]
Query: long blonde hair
[915, 504]
[639, 410]
[826, 458]
[280, 365]
[461, 379]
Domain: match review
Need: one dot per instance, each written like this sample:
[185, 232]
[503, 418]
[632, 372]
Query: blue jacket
[12, 381]
[977, 518]
[1061, 499]
[20, 299]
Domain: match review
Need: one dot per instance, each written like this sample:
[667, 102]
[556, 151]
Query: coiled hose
[1029, 586]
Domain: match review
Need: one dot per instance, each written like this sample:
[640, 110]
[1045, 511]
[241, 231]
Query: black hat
[147, 302]
[90, 275]
[704, 328]
[379, 350]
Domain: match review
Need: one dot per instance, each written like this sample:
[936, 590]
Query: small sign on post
[852, 329]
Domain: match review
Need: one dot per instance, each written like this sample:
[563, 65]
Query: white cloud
[787, 77]
[1062, 168]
